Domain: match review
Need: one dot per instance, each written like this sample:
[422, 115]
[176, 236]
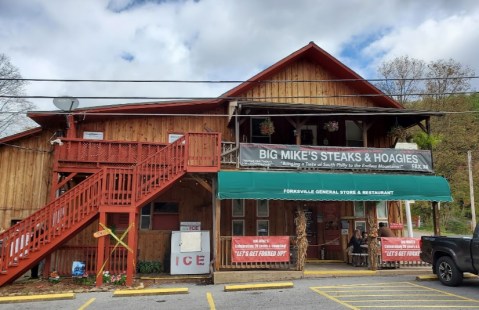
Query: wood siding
[305, 92]
[156, 128]
[25, 176]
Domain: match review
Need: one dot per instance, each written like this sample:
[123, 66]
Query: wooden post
[435, 218]
[100, 255]
[217, 233]
[130, 265]
[72, 131]
[471, 190]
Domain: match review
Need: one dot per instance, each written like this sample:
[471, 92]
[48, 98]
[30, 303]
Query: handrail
[110, 186]
[75, 150]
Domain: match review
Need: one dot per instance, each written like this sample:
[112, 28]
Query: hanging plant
[266, 127]
[398, 132]
[331, 126]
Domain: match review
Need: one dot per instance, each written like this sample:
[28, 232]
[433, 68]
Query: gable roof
[318, 55]
[20, 135]
[310, 51]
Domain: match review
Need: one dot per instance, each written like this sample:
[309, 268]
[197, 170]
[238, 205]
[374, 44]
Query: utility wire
[25, 148]
[235, 98]
[232, 81]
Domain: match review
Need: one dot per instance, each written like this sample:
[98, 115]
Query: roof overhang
[331, 186]
[403, 117]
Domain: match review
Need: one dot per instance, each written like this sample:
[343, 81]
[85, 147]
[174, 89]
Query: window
[237, 228]
[359, 209]
[262, 208]
[256, 136]
[160, 216]
[354, 134]
[361, 225]
[382, 210]
[262, 227]
[237, 208]
[145, 218]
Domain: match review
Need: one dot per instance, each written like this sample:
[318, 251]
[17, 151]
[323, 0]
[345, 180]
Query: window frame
[258, 204]
[262, 221]
[356, 213]
[242, 204]
[241, 221]
[385, 218]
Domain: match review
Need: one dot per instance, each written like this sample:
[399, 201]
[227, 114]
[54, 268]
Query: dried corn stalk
[373, 244]
[301, 240]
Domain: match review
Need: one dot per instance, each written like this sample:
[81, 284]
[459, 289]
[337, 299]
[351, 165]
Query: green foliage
[149, 267]
[84, 280]
[119, 279]
[425, 141]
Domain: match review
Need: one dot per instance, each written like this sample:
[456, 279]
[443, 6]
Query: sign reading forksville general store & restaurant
[322, 157]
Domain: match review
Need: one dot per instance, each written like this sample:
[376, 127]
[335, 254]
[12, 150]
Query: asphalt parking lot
[377, 292]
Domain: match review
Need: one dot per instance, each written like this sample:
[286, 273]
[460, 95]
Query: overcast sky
[218, 40]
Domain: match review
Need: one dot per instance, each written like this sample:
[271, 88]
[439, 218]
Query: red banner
[400, 249]
[396, 226]
[259, 249]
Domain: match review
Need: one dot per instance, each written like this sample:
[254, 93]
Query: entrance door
[329, 229]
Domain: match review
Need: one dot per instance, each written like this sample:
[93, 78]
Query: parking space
[393, 295]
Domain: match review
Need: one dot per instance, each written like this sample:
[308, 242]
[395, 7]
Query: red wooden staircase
[27, 242]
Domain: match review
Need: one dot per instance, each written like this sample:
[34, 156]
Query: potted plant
[398, 132]
[266, 127]
[331, 126]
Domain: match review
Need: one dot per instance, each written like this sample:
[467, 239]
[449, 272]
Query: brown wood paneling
[304, 70]
[25, 176]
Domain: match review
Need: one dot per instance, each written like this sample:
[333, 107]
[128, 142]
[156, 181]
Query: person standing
[385, 231]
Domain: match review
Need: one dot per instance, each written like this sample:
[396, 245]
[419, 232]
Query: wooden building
[306, 133]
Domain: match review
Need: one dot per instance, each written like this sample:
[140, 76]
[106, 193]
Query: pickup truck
[450, 257]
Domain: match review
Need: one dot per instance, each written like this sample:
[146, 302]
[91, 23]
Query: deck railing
[27, 241]
[97, 152]
[63, 258]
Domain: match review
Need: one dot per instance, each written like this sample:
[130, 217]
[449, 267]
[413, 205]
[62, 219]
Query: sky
[217, 40]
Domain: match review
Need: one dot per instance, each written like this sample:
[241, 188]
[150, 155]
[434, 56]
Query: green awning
[331, 186]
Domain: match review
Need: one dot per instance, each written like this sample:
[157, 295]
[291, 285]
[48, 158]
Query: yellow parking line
[333, 299]
[89, 302]
[406, 297]
[443, 292]
[211, 302]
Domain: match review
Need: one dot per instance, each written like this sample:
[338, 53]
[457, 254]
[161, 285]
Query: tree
[447, 77]
[12, 110]
[445, 82]
[403, 78]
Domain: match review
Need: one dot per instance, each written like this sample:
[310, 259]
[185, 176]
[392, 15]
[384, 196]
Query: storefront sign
[190, 226]
[396, 226]
[322, 157]
[400, 249]
[260, 249]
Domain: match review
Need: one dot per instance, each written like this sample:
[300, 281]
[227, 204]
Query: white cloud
[211, 39]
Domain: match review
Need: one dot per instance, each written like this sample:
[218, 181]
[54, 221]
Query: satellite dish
[66, 103]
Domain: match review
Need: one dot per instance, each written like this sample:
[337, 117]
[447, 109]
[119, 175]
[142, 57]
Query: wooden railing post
[100, 255]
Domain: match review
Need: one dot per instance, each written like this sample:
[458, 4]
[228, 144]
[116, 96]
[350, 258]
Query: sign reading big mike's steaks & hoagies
[323, 157]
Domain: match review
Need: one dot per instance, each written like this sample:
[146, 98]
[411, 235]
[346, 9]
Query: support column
[435, 218]
[216, 227]
[407, 205]
[131, 257]
[100, 255]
